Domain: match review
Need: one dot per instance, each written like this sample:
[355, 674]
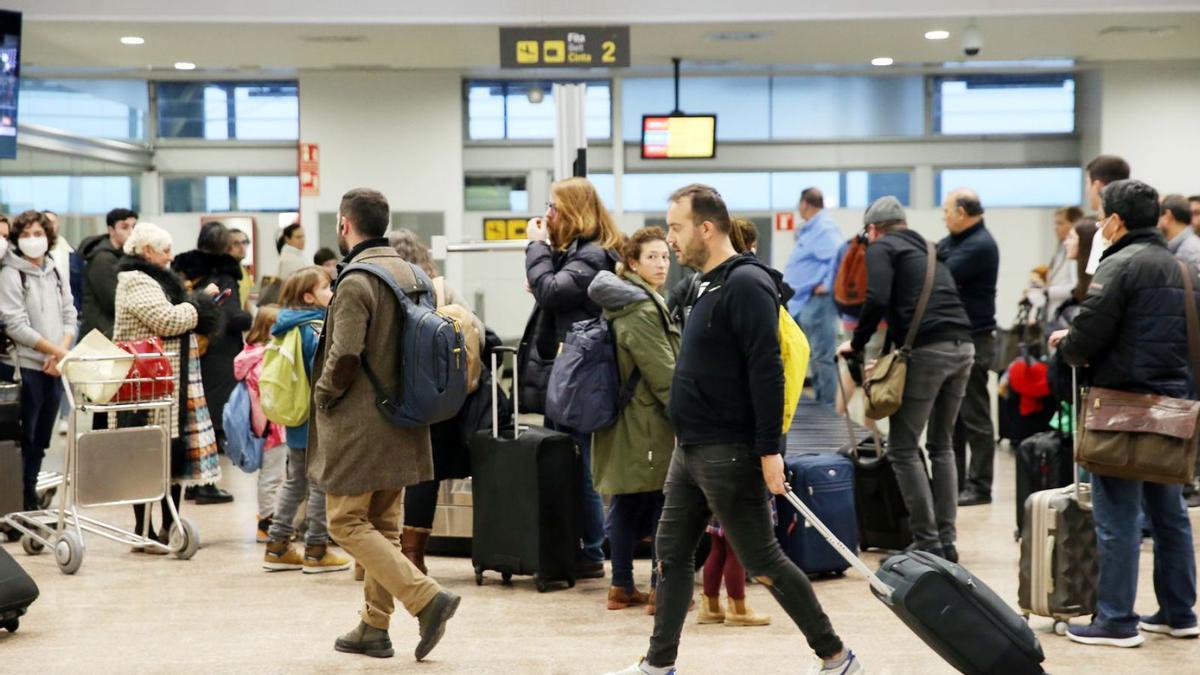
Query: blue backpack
[585, 391]
[433, 356]
[242, 446]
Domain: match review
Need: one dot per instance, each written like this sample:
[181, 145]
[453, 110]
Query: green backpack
[283, 386]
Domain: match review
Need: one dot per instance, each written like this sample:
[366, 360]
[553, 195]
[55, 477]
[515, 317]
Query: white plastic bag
[97, 381]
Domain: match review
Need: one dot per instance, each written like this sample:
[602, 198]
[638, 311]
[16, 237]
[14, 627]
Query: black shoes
[366, 640]
[950, 553]
[972, 498]
[589, 570]
[432, 621]
[211, 494]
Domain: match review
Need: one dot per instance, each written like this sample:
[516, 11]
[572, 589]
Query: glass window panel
[786, 187]
[102, 108]
[606, 187]
[496, 193]
[217, 194]
[741, 191]
[221, 194]
[500, 110]
[268, 193]
[66, 194]
[1005, 104]
[847, 106]
[741, 104]
[229, 110]
[1053, 186]
[864, 187]
[485, 112]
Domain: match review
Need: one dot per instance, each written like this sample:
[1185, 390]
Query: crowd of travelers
[698, 447]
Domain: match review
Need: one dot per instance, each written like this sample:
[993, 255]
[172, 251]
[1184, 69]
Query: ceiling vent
[737, 36]
[1140, 31]
[333, 39]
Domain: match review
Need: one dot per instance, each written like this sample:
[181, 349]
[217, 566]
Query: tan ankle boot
[412, 545]
[738, 614]
[710, 610]
[360, 572]
[619, 598]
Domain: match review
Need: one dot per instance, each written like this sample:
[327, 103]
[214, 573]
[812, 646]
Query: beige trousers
[367, 526]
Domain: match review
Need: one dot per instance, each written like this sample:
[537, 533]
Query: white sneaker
[636, 669]
[851, 666]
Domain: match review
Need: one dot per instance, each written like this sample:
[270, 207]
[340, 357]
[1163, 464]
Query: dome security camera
[972, 40]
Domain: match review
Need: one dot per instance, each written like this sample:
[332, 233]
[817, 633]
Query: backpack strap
[926, 292]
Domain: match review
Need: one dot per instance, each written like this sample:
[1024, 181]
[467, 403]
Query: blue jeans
[592, 521]
[818, 319]
[1117, 504]
[631, 517]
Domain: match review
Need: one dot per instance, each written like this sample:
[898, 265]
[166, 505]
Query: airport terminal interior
[467, 116]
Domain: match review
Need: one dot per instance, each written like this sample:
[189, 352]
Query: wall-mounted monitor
[10, 81]
[679, 136]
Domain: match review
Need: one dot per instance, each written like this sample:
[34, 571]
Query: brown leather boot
[360, 572]
[619, 598]
[412, 545]
[738, 614]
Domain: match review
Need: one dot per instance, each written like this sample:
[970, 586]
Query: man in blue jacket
[810, 272]
[726, 408]
[974, 261]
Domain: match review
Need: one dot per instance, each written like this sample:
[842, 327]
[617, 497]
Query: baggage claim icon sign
[565, 47]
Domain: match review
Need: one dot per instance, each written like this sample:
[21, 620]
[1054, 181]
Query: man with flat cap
[939, 366]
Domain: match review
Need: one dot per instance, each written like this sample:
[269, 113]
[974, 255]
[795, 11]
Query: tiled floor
[220, 613]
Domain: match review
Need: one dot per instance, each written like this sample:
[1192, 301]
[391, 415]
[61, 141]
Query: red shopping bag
[150, 376]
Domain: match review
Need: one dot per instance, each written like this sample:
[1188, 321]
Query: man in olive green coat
[361, 459]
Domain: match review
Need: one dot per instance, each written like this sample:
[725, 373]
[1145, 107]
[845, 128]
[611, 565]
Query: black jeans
[41, 395]
[420, 504]
[725, 480]
[974, 425]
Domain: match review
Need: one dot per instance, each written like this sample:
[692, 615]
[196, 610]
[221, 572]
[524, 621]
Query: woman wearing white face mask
[39, 316]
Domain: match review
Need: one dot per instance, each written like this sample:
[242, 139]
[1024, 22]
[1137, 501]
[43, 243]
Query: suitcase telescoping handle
[881, 588]
[850, 425]
[516, 390]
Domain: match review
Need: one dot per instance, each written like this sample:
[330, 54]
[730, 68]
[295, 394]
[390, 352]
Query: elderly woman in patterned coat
[151, 302]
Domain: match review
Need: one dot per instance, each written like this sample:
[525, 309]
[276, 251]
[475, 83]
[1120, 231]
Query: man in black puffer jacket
[1132, 331]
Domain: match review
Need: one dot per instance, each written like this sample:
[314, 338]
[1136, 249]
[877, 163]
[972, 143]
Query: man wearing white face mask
[39, 316]
[1102, 171]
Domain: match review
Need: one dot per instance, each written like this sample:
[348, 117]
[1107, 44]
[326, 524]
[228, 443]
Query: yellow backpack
[793, 347]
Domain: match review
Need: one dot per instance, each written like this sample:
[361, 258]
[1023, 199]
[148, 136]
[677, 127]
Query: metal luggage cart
[109, 467]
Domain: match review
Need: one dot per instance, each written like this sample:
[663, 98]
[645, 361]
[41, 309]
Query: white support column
[618, 147]
[570, 133]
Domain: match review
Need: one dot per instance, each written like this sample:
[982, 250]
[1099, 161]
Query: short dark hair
[24, 220]
[890, 225]
[324, 255]
[969, 203]
[284, 236]
[1071, 213]
[813, 197]
[707, 204]
[367, 210]
[214, 238]
[632, 249]
[1134, 201]
[1108, 169]
[1178, 206]
[1194, 198]
[117, 215]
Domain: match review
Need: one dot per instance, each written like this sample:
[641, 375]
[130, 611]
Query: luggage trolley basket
[110, 467]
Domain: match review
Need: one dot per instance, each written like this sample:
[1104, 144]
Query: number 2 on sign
[610, 52]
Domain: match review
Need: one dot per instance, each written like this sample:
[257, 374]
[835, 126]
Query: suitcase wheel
[571, 582]
[31, 546]
[68, 552]
[478, 575]
[1060, 627]
[540, 581]
[12, 534]
[506, 578]
[11, 625]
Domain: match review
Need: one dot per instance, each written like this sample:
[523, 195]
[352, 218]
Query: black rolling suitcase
[17, 592]
[11, 490]
[1044, 462]
[950, 609]
[882, 515]
[523, 499]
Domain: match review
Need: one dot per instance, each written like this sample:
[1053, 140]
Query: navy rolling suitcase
[826, 484]
[17, 592]
[523, 499]
[950, 609]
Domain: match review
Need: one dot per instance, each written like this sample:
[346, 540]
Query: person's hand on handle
[212, 290]
[535, 229]
[845, 349]
[773, 474]
[1058, 336]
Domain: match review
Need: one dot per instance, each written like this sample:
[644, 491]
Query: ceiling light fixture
[882, 61]
[536, 94]
[736, 36]
[133, 40]
[184, 65]
[937, 35]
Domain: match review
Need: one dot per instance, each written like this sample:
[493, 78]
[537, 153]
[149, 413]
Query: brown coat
[352, 448]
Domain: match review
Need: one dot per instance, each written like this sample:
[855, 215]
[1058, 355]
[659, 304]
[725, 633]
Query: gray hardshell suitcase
[1058, 572]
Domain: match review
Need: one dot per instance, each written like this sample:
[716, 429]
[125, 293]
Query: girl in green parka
[630, 458]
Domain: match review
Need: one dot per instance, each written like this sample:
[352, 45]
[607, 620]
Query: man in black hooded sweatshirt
[726, 407]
